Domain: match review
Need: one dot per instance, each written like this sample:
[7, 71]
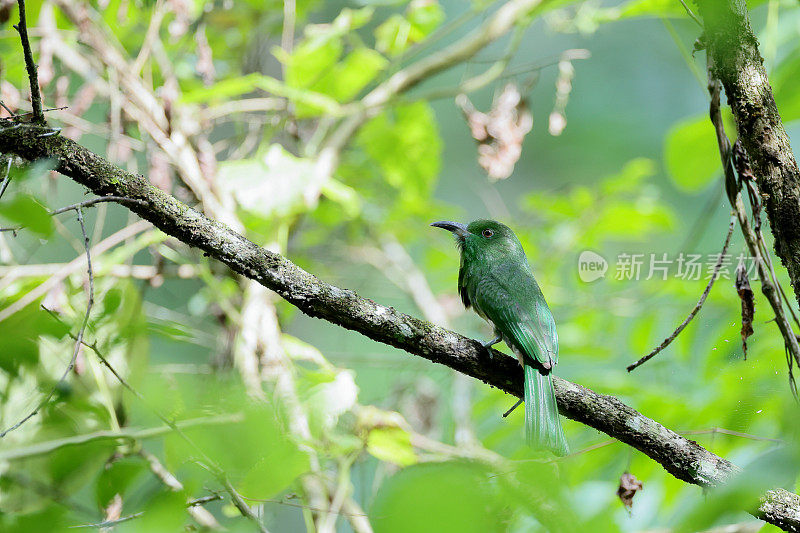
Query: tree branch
[30, 66]
[681, 457]
[738, 64]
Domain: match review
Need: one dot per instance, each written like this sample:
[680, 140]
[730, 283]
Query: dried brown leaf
[628, 487]
[748, 304]
[499, 132]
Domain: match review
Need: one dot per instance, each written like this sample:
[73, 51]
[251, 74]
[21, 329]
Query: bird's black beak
[459, 230]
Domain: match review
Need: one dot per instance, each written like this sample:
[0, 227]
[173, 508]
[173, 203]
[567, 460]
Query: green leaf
[314, 64]
[392, 444]
[398, 32]
[117, 477]
[23, 331]
[454, 496]
[353, 74]
[29, 212]
[165, 512]
[691, 154]
[651, 8]
[785, 81]
[406, 144]
[347, 197]
[257, 452]
[391, 36]
[222, 90]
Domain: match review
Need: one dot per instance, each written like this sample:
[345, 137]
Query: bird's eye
[487, 233]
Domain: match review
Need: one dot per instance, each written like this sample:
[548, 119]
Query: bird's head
[483, 238]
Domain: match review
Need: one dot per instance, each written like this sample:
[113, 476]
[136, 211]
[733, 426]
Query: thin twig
[93, 201]
[730, 432]
[194, 507]
[30, 66]
[241, 505]
[78, 206]
[109, 523]
[78, 338]
[20, 115]
[129, 434]
[697, 306]
[301, 506]
[7, 178]
[691, 14]
[203, 500]
[11, 113]
[512, 408]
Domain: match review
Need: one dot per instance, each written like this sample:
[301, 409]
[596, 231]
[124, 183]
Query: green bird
[496, 280]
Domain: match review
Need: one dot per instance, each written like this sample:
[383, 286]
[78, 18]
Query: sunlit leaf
[273, 183]
[406, 145]
[398, 32]
[391, 444]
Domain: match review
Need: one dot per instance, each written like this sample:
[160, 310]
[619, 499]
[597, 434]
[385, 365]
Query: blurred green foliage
[407, 445]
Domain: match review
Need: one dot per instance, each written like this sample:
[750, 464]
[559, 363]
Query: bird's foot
[488, 345]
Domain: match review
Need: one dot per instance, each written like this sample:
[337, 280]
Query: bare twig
[242, 506]
[150, 36]
[78, 338]
[10, 113]
[109, 523]
[20, 115]
[511, 410]
[6, 179]
[203, 500]
[299, 505]
[30, 66]
[697, 306]
[38, 449]
[732, 433]
[201, 516]
[93, 201]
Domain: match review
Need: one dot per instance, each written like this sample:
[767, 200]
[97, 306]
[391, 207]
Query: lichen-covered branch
[738, 64]
[681, 457]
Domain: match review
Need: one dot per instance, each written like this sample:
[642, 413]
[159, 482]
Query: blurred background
[241, 109]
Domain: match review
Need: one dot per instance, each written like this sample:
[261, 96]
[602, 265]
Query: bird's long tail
[542, 423]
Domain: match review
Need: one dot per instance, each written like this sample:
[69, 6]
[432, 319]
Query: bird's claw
[488, 345]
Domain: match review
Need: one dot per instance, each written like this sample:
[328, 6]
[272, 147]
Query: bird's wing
[511, 299]
[463, 290]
